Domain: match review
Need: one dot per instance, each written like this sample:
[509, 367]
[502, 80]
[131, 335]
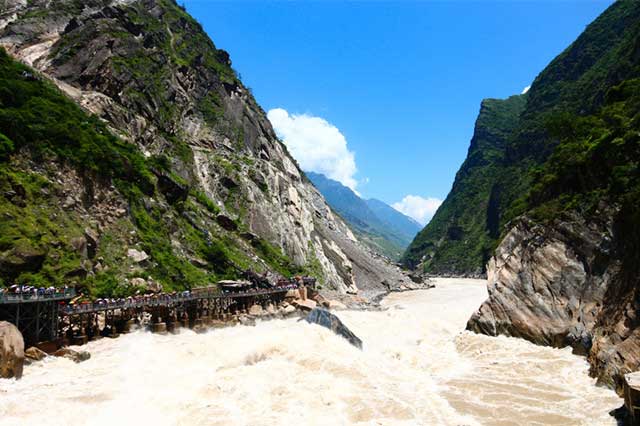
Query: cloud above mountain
[419, 208]
[317, 145]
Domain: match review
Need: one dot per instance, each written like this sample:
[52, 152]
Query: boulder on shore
[11, 351]
[255, 310]
[328, 320]
[34, 354]
[305, 305]
[74, 356]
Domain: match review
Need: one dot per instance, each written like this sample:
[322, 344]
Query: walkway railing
[31, 296]
[167, 299]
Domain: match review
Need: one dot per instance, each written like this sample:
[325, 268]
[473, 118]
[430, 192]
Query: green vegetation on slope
[42, 132]
[597, 160]
[557, 152]
[462, 233]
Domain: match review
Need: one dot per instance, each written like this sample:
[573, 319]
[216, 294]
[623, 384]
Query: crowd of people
[78, 304]
[31, 292]
[125, 302]
[162, 298]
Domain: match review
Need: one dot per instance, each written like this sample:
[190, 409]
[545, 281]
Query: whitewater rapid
[418, 367]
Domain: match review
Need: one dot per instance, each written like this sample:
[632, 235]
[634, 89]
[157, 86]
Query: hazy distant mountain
[380, 226]
[402, 224]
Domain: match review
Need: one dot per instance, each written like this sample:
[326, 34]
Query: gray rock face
[11, 351]
[553, 284]
[228, 150]
[328, 320]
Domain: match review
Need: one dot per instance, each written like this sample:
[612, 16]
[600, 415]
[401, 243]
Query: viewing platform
[13, 298]
[167, 300]
[53, 315]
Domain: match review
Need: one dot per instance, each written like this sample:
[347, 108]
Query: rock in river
[34, 354]
[74, 356]
[11, 351]
[327, 319]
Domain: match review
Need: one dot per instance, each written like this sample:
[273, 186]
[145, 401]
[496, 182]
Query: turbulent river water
[418, 367]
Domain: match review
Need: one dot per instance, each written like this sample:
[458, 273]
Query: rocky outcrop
[11, 351]
[137, 256]
[34, 354]
[305, 305]
[326, 319]
[563, 284]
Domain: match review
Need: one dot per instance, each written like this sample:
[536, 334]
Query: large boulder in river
[327, 319]
[11, 351]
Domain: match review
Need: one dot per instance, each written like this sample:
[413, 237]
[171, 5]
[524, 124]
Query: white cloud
[525, 90]
[419, 208]
[316, 144]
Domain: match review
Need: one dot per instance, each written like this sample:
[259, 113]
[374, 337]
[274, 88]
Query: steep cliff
[515, 137]
[566, 271]
[464, 231]
[180, 163]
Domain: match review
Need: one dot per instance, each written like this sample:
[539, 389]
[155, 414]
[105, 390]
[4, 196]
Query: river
[418, 367]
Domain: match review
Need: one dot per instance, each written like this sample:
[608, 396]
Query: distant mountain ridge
[405, 226]
[380, 226]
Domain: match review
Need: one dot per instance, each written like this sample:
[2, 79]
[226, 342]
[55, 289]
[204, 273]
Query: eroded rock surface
[565, 284]
[11, 351]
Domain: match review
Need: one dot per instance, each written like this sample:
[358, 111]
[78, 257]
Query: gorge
[546, 204]
[134, 160]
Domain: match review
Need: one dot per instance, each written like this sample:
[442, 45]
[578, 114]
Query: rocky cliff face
[148, 70]
[566, 284]
[565, 271]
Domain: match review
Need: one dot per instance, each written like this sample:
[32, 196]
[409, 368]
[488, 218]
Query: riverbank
[417, 367]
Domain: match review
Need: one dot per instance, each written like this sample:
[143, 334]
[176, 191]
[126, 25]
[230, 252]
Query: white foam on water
[417, 368]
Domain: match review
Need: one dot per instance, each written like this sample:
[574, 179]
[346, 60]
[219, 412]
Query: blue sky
[391, 90]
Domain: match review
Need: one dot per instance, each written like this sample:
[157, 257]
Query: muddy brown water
[418, 367]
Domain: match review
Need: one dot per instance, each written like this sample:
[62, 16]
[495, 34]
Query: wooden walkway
[168, 300]
[43, 317]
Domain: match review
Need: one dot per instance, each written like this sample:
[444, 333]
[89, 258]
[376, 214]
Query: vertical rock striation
[555, 284]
